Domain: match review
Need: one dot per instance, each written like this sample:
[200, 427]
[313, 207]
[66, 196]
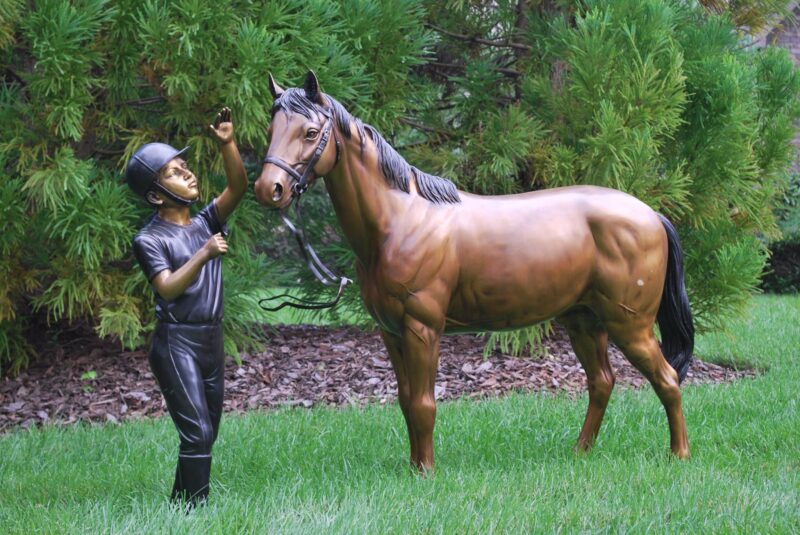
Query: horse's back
[559, 216]
[591, 200]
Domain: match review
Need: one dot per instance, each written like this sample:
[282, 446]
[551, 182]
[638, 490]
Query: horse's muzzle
[272, 191]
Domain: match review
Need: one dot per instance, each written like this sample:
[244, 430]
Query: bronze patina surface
[433, 260]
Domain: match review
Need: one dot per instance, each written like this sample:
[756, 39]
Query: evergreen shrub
[664, 99]
[83, 84]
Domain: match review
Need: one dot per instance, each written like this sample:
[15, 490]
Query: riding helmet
[145, 164]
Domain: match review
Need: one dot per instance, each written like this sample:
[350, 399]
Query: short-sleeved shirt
[161, 245]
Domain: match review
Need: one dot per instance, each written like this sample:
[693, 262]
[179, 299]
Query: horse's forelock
[294, 100]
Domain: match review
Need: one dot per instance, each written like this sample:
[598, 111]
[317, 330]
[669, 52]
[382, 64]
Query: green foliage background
[660, 98]
[782, 273]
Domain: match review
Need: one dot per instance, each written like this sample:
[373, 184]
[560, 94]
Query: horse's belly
[510, 295]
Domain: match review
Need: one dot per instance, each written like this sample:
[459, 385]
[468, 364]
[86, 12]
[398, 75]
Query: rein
[321, 272]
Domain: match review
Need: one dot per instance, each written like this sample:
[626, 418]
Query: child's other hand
[216, 246]
[222, 129]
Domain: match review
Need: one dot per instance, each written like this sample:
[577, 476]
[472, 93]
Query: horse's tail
[674, 315]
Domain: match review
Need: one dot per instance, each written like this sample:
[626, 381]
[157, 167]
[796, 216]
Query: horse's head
[299, 152]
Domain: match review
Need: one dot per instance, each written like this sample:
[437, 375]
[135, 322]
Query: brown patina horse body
[434, 260]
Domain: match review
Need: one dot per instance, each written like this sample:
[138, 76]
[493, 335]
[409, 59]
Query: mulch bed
[303, 366]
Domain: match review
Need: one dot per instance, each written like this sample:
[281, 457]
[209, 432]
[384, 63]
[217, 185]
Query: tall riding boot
[191, 480]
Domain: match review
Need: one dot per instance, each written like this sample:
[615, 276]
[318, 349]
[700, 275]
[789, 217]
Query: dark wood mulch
[303, 365]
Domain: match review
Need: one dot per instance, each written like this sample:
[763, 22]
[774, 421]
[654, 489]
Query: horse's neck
[361, 197]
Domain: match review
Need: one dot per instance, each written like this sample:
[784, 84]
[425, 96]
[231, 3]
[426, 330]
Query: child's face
[177, 178]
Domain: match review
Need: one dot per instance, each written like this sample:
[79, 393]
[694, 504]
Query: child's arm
[171, 285]
[222, 131]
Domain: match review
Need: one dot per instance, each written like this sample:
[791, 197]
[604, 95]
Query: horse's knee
[423, 405]
[601, 385]
[667, 386]
[423, 410]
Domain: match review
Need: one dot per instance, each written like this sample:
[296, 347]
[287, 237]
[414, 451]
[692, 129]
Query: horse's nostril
[277, 193]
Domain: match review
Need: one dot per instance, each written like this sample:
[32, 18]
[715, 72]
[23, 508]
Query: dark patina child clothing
[187, 355]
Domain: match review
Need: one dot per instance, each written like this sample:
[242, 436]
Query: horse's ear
[313, 92]
[274, 88]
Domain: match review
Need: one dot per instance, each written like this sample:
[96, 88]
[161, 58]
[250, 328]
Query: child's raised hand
[216, 246]
[222, 129]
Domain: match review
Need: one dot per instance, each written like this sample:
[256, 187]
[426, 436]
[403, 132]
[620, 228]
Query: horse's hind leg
[639, 345]
[394, 348]
[590, 342]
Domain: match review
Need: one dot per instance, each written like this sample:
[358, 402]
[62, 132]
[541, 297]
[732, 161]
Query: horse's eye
[311, 134]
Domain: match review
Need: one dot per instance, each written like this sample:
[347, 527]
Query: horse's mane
[396, 170]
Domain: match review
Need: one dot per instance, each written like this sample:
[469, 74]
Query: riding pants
[188, 362]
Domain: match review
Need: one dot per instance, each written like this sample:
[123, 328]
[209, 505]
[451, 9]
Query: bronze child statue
[181, 257]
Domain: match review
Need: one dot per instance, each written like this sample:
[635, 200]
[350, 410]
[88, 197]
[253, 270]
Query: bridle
[321, 272]
[300, 182]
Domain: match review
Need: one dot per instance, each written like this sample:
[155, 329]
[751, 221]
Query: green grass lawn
[504, 465]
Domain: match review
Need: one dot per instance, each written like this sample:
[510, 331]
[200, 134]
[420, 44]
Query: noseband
[300, 182]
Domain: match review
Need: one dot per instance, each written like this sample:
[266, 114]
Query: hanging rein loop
[321, 272]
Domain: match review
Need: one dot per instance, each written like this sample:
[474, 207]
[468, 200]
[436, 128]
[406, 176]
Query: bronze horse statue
[433, 260]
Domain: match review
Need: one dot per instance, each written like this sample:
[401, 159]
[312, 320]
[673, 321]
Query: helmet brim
[178, 154]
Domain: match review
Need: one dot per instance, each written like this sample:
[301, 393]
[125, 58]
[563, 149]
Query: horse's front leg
[394, 348]
[420, 349]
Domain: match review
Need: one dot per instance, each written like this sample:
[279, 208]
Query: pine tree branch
[15, 76]
[144, 101]
[430, 143]
[502, 44]
[412, 145]
[502, 70]
[425, 128]
[107, 152]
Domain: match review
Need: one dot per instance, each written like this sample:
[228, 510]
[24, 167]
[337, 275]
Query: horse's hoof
[421, 469]
[682, 454]
[426, 472]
